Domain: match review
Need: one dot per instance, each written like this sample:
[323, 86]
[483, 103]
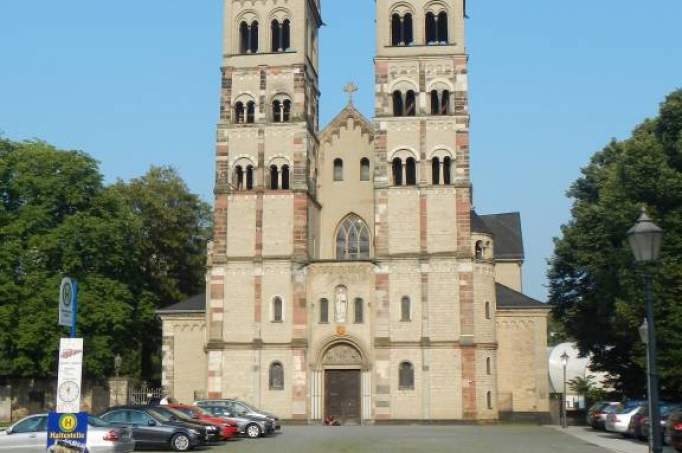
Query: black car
[212, 431]
[154, 429]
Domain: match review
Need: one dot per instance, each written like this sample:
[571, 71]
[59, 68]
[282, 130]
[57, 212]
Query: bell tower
[265, 190]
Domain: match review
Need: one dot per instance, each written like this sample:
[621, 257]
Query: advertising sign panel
[69, 376]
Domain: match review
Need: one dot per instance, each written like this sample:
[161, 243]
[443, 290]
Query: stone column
[118, 391]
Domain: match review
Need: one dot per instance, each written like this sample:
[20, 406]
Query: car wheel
[181, 442]
[253, 431]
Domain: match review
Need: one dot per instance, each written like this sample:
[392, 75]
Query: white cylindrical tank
[577, 366]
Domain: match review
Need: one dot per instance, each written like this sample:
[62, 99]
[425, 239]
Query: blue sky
[135, 83]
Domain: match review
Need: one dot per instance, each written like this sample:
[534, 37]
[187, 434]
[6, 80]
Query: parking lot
[432, 439]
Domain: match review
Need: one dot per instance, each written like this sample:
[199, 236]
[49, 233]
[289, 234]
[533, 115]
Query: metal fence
[143, 395]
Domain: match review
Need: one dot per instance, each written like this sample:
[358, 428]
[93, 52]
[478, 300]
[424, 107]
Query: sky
[136, 83]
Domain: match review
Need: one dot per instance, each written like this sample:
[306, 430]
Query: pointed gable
[341, 120]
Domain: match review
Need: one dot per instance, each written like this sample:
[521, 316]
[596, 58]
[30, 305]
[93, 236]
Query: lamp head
[644, 332]
[564, 359]
[645, 239]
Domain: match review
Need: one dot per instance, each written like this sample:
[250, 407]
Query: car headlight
[195, 432]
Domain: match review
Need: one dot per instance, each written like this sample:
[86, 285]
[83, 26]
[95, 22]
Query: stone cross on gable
[350, 88]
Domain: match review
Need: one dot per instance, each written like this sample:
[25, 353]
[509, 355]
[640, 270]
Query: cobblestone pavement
[404, 439]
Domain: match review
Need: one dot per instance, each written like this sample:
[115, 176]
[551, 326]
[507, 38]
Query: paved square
[404, 439]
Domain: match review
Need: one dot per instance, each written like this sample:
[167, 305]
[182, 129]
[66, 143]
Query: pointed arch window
[364, 169]
[406, 376]
[276, 376]
[352, 239]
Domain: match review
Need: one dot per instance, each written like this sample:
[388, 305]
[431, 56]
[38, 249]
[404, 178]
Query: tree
[57, 218]
[595, 287]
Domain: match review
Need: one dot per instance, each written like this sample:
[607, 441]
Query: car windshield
[189, 412]
[196, 410]
[626, 408]
[242, 406]
[161, 414]
[609, 409]
[176, 413]
[97, 422]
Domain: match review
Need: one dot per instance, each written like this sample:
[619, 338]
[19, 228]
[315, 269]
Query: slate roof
[509, 299]
[195, 304]
[478, 225]
[508, 235]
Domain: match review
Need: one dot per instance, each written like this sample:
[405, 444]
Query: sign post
[68, 304]
[67, 432]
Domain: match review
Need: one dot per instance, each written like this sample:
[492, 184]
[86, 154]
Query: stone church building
[348, 274]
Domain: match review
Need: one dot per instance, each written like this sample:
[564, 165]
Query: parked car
[240, 408]
[596, 415]
[674, 430]
[252, 427]
[29, 435]
[152, 429]
[619, 421]
[666, 410]
[229, 428]
[635, 429]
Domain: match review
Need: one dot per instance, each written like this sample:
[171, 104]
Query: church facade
[348, 274]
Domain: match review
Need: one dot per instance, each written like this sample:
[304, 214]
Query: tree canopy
[133, 246]
[596, 289]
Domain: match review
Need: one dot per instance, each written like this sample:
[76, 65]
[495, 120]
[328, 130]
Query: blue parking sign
[67, 432]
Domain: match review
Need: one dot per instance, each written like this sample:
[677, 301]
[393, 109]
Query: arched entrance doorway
[342, 367]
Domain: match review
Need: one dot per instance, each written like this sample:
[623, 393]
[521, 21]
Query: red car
[228, 429]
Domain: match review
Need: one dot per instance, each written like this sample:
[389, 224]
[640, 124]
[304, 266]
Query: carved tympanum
[342, 354]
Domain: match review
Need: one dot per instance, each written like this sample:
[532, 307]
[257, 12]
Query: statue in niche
[341, 306]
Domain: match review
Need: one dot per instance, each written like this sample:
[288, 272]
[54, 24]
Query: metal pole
[654, 414]
[75, 309]
[564, 422]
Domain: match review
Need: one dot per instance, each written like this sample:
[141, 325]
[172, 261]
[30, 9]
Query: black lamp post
[645, 240]
[564, 364]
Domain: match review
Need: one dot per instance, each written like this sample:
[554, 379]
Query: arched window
[286, 111]
[487, 310]
[250, 112]
[364, 169]
[239, 177]
[277, 310]
[431, 32]
[397, 172]
[286, 35]
[285, 177]
[435, 171]
[447, 163]
[488, 366]
[435, 103]
[479, 250]
[244, 38]
[489, 399]
[396, 30]
[445, 103]
[277, 111]
[410, 104]
[239, 112]
[406, 376]
[249, 177]
[352, 239]
[443, 27]
[398, 103]
[274, 177]
[410, 172]
[254, 37]
[338, 170]
[405, 309]
[408, 35]
[324, 311]
[359, 311]
[276, 376]
[276, 32]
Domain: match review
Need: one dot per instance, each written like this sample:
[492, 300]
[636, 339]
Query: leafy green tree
[133, 248]
[595, 287]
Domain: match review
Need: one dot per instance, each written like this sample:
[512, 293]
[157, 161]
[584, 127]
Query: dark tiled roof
[507, 299]
[195, 304]
[478, 225]
[508, 236]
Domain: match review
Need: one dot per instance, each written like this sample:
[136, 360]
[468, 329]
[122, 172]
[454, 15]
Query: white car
[619, 421]
[29, 435]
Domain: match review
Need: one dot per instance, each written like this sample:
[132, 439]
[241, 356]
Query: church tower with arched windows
[349, 275]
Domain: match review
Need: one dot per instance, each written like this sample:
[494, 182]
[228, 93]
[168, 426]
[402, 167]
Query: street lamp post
[564, 416]
[645, 241]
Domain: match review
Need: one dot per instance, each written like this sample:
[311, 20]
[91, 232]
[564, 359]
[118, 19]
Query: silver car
[253, 426]
[619, 421]
[29, 435]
